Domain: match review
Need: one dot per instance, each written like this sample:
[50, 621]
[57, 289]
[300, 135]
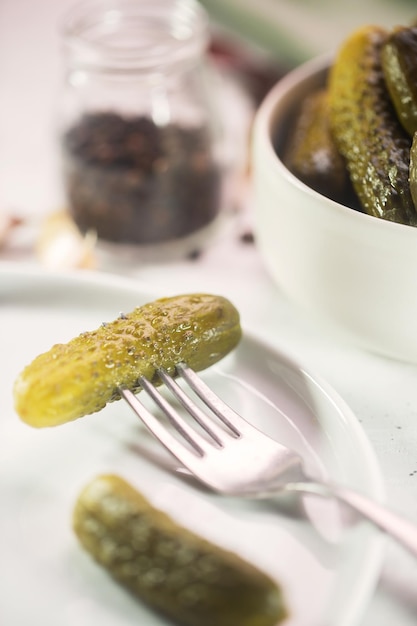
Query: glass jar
[139, 132]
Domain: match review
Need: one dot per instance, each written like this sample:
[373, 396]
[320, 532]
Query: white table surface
[382, 393]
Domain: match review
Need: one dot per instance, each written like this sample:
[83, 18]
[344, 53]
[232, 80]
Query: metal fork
[235, 458]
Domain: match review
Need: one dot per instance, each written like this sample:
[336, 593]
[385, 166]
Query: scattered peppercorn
[194, 254]
[247, 237]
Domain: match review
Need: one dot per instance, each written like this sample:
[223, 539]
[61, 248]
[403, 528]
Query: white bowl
[350, 269]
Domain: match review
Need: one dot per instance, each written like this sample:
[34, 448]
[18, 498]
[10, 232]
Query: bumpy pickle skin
[174, 571]
[399, 63]
[413, 170]
[80, 377]
[366, 129]
[311, 153]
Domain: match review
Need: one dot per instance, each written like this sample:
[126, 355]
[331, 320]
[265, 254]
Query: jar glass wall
[139, 132]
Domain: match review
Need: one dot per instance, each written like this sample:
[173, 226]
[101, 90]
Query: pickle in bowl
[358, 126]
[366, 128]
[399, 63]
[311, 153]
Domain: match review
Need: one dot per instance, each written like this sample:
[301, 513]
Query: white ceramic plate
[328, 572]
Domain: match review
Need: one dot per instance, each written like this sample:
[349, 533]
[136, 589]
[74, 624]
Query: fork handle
[397, 527]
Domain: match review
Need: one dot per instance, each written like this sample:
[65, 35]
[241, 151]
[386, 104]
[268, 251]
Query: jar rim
[135, 35]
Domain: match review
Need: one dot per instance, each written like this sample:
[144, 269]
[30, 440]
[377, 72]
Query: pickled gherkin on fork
[174, 571]
[80, 377]
[366, 128]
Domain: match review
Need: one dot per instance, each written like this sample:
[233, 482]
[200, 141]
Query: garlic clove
[61, 245]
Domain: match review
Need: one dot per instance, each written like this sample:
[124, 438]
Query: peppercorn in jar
[140, 143]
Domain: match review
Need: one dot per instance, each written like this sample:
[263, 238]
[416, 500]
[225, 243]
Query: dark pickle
[174, 571]
[311, 153]
[366, 128]
[399, 62]
[80, 377]
[413, 170]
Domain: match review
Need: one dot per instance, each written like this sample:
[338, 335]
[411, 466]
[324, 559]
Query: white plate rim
[374, 543]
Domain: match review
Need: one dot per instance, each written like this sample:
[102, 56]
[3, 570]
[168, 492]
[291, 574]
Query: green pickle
[80, 377]
[174, 571]
[399, 62]
[413, 169]
[366, 129]
[311, 153]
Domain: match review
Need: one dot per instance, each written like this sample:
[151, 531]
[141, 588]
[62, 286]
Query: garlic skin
[60, 244]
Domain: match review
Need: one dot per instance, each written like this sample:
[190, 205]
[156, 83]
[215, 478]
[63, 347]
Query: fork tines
[215, 431]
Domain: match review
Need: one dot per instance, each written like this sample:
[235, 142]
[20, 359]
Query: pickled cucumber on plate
[174, 571]
[80, 377]
[366, 128]
[399, 62]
